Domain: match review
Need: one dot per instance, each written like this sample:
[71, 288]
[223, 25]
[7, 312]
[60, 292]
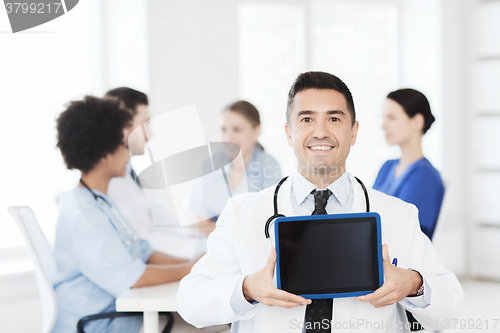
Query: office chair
[45, 269]
[437, 238]
[443, 216]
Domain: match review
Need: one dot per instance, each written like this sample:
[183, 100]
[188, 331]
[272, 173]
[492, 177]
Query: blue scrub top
[94, 263]
[420, 184]
[209, 194]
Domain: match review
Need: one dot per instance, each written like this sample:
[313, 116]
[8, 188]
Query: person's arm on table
[160, 258]
[205, 226]
[158, 274]
[162, 268]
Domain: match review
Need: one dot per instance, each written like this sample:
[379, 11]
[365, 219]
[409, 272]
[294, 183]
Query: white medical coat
[238, 248]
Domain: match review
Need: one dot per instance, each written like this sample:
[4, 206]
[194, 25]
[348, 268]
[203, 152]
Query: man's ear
[354, 132]
[288, 132]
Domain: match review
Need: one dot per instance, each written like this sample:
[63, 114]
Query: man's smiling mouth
[320, 148]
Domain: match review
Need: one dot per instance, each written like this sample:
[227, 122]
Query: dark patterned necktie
[319, 312]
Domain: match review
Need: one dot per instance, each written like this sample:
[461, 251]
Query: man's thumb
[386, 260]
[271, 262]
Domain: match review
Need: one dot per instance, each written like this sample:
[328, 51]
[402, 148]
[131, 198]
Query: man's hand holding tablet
[399, 283]
[258, 287]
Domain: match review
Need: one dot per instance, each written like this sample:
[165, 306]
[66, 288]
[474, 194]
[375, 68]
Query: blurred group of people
[98, 247]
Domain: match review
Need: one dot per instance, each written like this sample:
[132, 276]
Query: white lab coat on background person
[140, 206]
[152, 214]
[238, 248]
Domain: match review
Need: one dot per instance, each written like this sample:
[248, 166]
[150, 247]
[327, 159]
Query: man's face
[137, 139]
[320, 131]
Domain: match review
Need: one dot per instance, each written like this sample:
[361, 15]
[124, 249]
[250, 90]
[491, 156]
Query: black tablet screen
[328, 256]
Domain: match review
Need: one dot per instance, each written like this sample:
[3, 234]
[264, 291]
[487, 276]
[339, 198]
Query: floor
[181, 326]
[481, 308]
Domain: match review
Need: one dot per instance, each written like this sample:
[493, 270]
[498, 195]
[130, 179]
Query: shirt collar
[301, 188]
[256, 157]
[128, 169]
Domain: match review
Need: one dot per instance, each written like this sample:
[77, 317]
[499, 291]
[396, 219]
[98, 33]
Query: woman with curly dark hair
[98, 254]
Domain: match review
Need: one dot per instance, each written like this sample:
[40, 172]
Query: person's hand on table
[258, 287]
[206, 226]
[197, 257]
[399, 283]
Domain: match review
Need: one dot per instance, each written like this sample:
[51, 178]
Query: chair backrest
[443, 214]
[43, 260]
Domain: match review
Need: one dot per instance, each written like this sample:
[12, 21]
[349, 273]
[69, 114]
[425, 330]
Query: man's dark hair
[319, 80]
[413, 102]
[90, 129]
[130, 97]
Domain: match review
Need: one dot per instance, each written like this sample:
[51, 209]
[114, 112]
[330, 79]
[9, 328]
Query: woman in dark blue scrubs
[412, 178]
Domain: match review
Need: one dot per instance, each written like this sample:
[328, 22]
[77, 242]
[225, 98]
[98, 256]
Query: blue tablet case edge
[336, 216]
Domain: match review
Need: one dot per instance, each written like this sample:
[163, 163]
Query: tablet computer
[329, 256]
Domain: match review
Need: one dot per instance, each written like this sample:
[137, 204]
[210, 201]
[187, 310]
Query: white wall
[193, 58]
[20, 307]
[454, 30]
[420, 64]
[124, 44]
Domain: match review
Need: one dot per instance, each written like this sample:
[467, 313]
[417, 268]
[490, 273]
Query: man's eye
[306, 119]
[334, 119]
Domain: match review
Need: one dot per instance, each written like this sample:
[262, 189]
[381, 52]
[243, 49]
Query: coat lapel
[359, 202]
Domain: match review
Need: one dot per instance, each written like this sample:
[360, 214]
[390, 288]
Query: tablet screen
[328, 255]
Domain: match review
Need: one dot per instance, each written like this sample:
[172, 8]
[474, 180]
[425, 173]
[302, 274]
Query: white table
[150, 301]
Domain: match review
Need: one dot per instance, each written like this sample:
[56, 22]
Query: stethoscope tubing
[131, 234]
[275, 206]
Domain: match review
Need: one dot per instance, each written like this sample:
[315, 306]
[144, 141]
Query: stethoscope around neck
[276, 214]
[132, 236]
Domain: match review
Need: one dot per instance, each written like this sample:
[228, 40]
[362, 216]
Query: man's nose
[321, 131]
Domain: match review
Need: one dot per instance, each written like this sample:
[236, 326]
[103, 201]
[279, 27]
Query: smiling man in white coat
[235, 281]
